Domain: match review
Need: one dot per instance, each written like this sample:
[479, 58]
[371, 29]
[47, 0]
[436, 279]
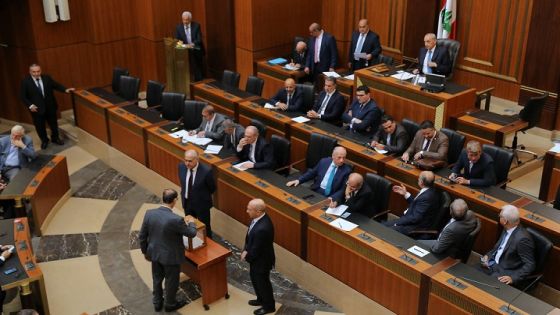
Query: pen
[339, 224]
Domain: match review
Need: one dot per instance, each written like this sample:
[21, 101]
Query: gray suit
[24, 155]
[161, 241]
[239, 132]
[451, 239]
[437, 149]
[216, 133]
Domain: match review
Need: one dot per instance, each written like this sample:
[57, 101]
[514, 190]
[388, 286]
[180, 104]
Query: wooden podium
[177, 67]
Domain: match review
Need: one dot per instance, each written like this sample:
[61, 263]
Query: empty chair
[260, 126]
[502, 162]
[456, 143]
[542, 249]
[440, 219]
[468, 243]
[320, 146]
[308, 95]
[154, 92]
[387, 60]
[231, 79]
[129, 88]
[531, 113]
[192, 114]
[117, 73]
[380, 190]
[172, 105]
[281, 148]
[411, 127]
[453, 47]
[254, 85]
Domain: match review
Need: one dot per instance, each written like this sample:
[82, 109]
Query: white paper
[179, 134]
[197, 242]
[196, 140]
[344, 225]
[331, 74]
[403, 75]
[269, 106]
[360, 55]
[381, 151]
[290, 67]
[418, 251]
[213, 149]
[421, 80]
[338, 211]
[350, 77]
[241, 166]
[555, 148]
[300, 119]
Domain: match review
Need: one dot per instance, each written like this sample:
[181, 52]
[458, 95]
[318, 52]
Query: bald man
[288, 98]
[299, 55]
[254, 151]
[189, 33]
[364, 41]
[357, 196]
[433, 58]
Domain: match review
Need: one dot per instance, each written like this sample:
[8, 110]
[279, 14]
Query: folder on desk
[277, 61]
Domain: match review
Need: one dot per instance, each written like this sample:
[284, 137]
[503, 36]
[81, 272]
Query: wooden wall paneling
[145, 19]
[420, 18]
[220, 37]
[386, 18]
[339, 19]
[14, 65]
[110, 20]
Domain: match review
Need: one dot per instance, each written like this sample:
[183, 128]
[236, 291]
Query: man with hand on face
[391, 136]
[16, 151]
[330, 105]
[432, 58]
[289, 98]
[366, 42]
[211, 125]
[477, 166]
[356, 196]
[427, 143]
[254, 151]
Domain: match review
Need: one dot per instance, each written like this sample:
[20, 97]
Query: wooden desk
[275, 122]
[224, 101]
[207, 267]
[274, 77]
[90, 112]
[550, 178]
[402, 99]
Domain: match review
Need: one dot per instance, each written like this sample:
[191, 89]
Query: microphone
[405, 255]
[481, 283]
[507, 308]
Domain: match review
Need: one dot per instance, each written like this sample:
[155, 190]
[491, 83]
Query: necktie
[324, 104]
[288, 99]
[470, 167]
[359, 45]
[208, 126]
[427, 146]
[252, 152]
[188, 32]
[189, 184]
[316, 51]
[251, 226]
[495, 259]
[233, 144]
[40, 86]
[428, 60]
[330, 181]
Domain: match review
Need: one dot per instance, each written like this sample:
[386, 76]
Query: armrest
[434, 232]
[484, 95]
[380, 214]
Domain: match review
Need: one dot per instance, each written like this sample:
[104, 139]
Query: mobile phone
[10, 271]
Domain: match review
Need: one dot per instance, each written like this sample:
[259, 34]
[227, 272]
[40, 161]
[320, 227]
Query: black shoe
[44, 145]
[58, 141]
[255, 303]
[177, 306]
[158, 307]
[262, 311]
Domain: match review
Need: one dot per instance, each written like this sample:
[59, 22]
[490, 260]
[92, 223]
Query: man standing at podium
[189, 32]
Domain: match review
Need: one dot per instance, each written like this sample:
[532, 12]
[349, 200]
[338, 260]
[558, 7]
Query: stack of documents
[338, 211]
[269, 106]
[403, 75]
[213, 149]
[179, 134]
[300, 119]
[331, 74]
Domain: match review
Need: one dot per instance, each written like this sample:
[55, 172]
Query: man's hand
[6, 254]
[405, 157]
[282, 106]
[242, 142]
[432, 64]
[369, 56]
[332, 204]
[68, 90]
[18, 143]
[418, 155]
[505, 279]
[291, 183]
[147, 257]
[484, 261]
[201, 134]
[349, 65]
[249, 164]
[401, 190]
[243, 255]
[312, 114]
[462, 181]
[33, 108]
[306, 70]
[192, 132]
[331, 69]
[415, 71]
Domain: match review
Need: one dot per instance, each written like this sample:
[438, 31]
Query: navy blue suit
[439, 56]
[335, 107]
[482, 173]
[296, 100]
[371, 46]
[370, 115]
[201, 198]
[264, 156]
[420, 215]
[328, 55]
[195, 56]
[318, 173]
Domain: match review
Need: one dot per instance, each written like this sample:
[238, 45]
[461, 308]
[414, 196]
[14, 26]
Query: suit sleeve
[368, 120]
[143, 236]
[268, 158]
[422, 206]
[29, 151]
[444, 64]
[181, 227]
[24, 94]
[460, 163]
[178, 33]
[376, 47]
[277, 97]
[309, 174]
[334, 53]
[338, 108]
[310, 54]
[378, 135]
[297, 104]
[488, 179]
[441, 153]
[260, 239]
[444, 243]
[400, 145]
[210, 184]
[57, 86]
[218, 134]
[526, 250]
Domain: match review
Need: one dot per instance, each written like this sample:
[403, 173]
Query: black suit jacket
[439, 56]
[264, 156]
[196, 36]
[299, 58]
[296, 101]
[452, 237]
[335, 107]
[202, 189]
[370, 115]
[359, 203]
[239, 132]
[31, 94]
[518, 256]
[421, 212]
[399, 139]
[259, 245]
[161, 236]
[328, 54]
[482, 173]
[371, 46]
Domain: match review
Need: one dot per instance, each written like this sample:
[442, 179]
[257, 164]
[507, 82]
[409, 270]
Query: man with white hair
[433, 58]
[16, 151]
[189, 33]
[254, 151]
[513, 257]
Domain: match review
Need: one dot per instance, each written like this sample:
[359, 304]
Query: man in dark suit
[513, 257]
[299, 55]
[356, 196]
[364, 116]
[432, 58]
[477, 166]
[453, 235]
[259, 253]
[290, 98]
[3, 257]
[427, 143]
[390, 136]
[197, 187]
[329, 175]
[254, 151]
[161, 242]
[421, 210]
[37, 93]
[211, 125]
[366, 42]
[189, 33]
[16, 151]
[322, 55]
[330, 105]
[232, 134]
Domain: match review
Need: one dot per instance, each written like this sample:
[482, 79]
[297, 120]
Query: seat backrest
[192, 114]
[254, 85]
[456, 143]
[129, 87]
[442, 217]
[542, 249]
[468, 243]
[231, 79]
[502, 161]
[281, 148]
[117, 73]
[172, 105]
[320, 146]
[388, 60]
[298, 39]
[531, 113]
[154, 92]
[453, 47]
[411, 127]
[380, 190]
[556, 204]
[308, 95]
[260, 126]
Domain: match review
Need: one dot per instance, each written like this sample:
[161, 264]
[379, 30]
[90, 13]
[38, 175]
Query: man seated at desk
[3, 257]
[329, 175]
[432, 58]
[364, 115]
[421, 210]
[211, 125]
[477, 166]
[453, 235]
[232, 134]
[427, 143]
[290, 98]
[356, 196]
[254, 151]
[513, 257]
[330, 104]
[390, 136]
[16, 151]
[299, 55]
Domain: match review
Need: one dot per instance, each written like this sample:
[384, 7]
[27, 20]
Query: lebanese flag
[446, 22]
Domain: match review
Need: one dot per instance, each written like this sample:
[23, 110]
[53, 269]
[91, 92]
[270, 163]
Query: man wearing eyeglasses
[356, 196]
[391, 136]
[364, 115]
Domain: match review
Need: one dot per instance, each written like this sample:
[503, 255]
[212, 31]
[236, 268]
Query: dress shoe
[158, 307]
[44, 145]
[255, 303]
[58, 141]
[262, 311]
[178, 305]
